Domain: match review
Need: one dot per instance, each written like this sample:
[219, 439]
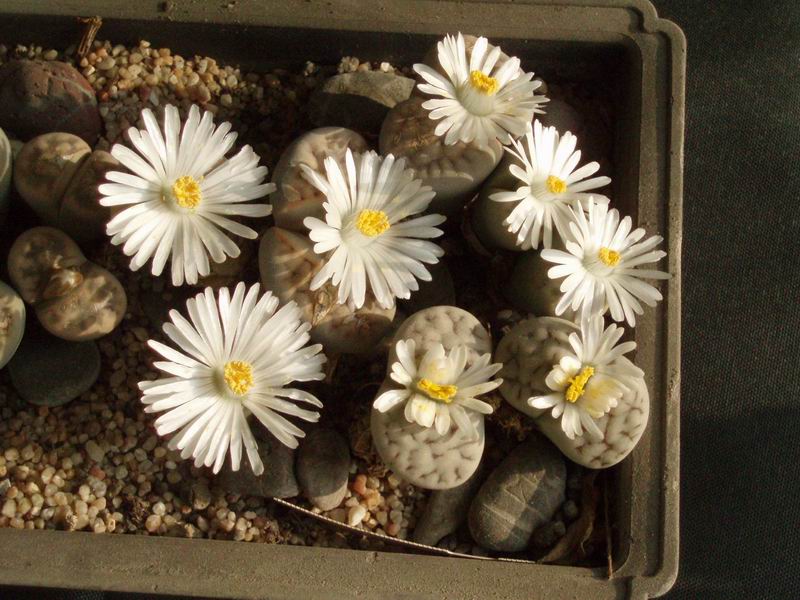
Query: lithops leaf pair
[57, 175]
[74, 299]
[12, 322]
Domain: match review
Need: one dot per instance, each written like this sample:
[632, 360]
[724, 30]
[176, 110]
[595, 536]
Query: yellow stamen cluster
[186, 191]
[372, 222]
[556, 185]
[485, 84]
[609, 257]
[577, 384]
[434, 391]
[239, 376]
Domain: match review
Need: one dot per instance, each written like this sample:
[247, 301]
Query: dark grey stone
[49, 371]
[277, 480]
[520, 495]
[446, 511]
[323, 466]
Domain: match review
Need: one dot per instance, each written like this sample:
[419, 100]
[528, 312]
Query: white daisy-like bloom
[367, 231]
[441, 389]
[588, 383]
[235, 357]
[478, 100]
[181, 194]
[600, 265]
[550, 185]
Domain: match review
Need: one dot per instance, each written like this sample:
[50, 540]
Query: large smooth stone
[40, 96]
[12, 322]
[6, 160]
[520, 495]
[421, 456]
[288, 264]
[454, 172]
[80, 213]
[295, 198]
[448, 325]
[49, 371]
[358, 100]
[528, 352]
[445, 511]
[323, 467]
[277, 480]
[44, 169]
[530, 289]
[622, 429]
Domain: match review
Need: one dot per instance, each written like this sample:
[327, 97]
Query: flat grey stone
[49, 371]
[520, 495]
[445, 511]
[358, 100]
[277, 480]
[323, 466]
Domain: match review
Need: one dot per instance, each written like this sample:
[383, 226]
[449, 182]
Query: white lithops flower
[370, 240]
[235, 357]
[181, 194]
[588, 383]
[440, 390]
[478, 100]
[600, 265]
[550, 185]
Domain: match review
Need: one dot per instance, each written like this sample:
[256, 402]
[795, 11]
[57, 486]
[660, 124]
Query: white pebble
[356, 514]
[9, 508]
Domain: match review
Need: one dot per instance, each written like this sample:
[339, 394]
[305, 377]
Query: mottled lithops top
[448, 325]
[622, 429]
[423, 457]
[44, 169]
[453, 171]
[288, 264]
[12, 322]
[528, 352]
[295, 198]
[74, 299]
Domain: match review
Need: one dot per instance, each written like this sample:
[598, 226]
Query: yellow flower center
[186, 191]
[434, 391]
[372, 222]
[239, 376]
[485, 84]
[577, 384]
[609, 257]
[556, 185]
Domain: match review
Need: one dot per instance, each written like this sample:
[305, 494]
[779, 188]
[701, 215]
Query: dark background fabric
[740, 413]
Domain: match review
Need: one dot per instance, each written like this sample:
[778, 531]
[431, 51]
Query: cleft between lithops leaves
[61, 283]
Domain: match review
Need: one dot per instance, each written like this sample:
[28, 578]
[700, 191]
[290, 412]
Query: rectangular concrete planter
[622, 41]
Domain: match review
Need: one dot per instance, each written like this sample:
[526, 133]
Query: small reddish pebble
[393, 528]
[360, 485]
[97, 472]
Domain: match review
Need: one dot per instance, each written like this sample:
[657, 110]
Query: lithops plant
[12, 322]
[531, 290]
[295, 198]
[427, 423]
[584, 395]
[288, 264]
[57, 175]
[454, 171]
[6, 159]
[74, 299]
